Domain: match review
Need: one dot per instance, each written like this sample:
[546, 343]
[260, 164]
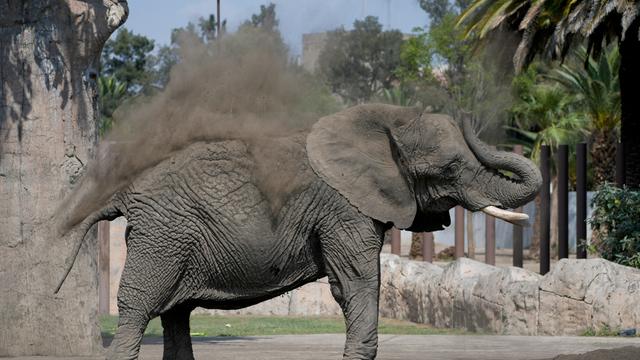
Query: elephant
[230, 223]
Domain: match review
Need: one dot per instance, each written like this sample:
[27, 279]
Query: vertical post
[545, 216]
[490, 242]
[459, 240]
[471, 242]
[219, 20]
[620, 173]
[103, 265]
[395, 241]
[581, 200]
[518, 250]
[563, 201]
[427, 246]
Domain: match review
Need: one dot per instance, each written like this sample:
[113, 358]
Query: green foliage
[396, 96]
[595, 84]
[549, 27]
[356, 64]
[544, 113]
[111, 94]
[615, 225]
[125, 58]
[605, 330]
[207, 325]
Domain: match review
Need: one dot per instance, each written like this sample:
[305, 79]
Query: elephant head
[409, 168]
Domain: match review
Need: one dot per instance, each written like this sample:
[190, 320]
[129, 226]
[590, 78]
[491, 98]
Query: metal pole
[563, 201]
[490, 243]
[219, 21]
[395, 241]
[518, 248]
[459, 240]
[545, 216]
[620, 171]
[427, 247]
[103, 266]
[581, 200]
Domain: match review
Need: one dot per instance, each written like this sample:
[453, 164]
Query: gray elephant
[229, 224]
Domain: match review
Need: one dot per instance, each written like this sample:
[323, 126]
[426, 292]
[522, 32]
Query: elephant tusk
[508, 216]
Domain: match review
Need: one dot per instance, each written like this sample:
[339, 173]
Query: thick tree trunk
[603, 153]
[630, 122]
[48, 59]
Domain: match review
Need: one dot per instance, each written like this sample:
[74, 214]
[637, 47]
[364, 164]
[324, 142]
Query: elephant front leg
[353, 266]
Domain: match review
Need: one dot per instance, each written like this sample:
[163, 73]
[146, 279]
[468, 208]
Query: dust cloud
[242, 86]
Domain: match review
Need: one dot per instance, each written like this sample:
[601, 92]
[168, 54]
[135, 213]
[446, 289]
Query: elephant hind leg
[177, 340]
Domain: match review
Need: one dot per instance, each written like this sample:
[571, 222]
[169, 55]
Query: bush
[616, 225]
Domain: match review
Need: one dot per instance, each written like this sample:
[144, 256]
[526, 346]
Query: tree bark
[630, 122]
[49, 53]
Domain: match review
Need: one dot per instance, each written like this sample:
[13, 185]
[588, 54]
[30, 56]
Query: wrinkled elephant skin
[231, 223]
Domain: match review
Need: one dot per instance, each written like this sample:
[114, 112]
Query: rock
[454, 292]
[578, 295]
[505, 302]
[314, 299]
[407, 288]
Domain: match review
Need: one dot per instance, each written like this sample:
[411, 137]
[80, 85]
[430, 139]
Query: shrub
[616, 225]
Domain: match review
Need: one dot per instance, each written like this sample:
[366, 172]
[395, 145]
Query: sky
[156, 18]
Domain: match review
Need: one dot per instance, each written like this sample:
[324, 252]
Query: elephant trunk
[511, 192]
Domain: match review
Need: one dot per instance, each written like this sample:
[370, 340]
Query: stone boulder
[578, 295]
[408, 289]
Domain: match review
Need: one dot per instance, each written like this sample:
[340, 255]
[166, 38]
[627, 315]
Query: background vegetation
[525, 72]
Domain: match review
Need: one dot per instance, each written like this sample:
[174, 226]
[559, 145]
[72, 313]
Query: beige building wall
[312, 45]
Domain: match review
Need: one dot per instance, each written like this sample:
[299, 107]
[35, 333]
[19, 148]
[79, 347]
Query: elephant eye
[451, 170]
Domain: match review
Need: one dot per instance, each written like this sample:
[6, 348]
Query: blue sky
[156, 18]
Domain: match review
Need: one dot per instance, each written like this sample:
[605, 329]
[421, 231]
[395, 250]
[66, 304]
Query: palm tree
[112, 93]
[548, 27]
[597, 89]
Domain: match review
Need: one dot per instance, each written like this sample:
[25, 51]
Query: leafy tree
[265, 20]
[356, 64]
[550, 27]
[595, 84]
[125, 57]
[544, 113]
[615, 225]
[112, 94]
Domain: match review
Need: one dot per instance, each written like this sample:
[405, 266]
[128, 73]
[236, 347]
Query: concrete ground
[401, 347]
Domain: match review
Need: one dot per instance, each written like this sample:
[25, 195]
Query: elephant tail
[79, 232]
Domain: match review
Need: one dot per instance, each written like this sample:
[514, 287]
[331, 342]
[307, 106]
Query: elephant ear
[354, 151]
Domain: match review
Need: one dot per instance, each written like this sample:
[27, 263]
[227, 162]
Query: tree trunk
[603, 154]
[49, 53]
[416, 246]
[630, 121]
[534, 248]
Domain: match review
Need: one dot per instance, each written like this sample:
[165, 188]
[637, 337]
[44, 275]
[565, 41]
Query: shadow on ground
[157, 340]
[624, 353]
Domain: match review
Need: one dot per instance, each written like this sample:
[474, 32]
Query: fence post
[427, 247]
[620, 171]
[103, 266]
[545, 216]
[517, 230]
[395, 241]
[581, 201]
[563, 201]
[490, 240]
[459, 240]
